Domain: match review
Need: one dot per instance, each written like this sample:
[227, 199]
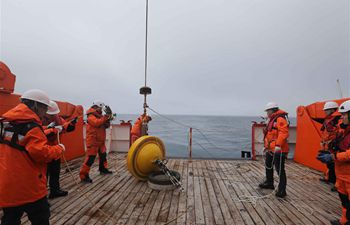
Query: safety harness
[330, 124]
[11, 133]
[341, 143]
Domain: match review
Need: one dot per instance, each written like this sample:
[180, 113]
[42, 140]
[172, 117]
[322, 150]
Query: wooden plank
[268, 200]
[173, 215]
[218, 217]
[213, 190]
[304, 216]
[190, 214]
[165, 208]
[199, 211]
[147, 209]
[222, 203]
[182, 208]
[271, 217]
[81, 204]
[152, 219]
[208, 213]
[139, 207]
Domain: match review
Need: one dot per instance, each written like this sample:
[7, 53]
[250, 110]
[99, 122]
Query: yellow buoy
[142, 155]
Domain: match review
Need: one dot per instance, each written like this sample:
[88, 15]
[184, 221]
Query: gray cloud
[205, 57]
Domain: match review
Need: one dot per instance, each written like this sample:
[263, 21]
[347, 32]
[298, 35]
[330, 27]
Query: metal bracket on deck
[162, 166]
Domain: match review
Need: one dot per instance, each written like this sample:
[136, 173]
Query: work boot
[86, 180]
[335, 222]
[105, 171]
[281, 194]
[324, 180]
[266, 185]
[57, 193]
[334, 189]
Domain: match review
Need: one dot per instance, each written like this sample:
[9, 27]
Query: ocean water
[221, 137]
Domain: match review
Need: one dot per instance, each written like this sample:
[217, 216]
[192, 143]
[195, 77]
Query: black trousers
[331, 173]
[276, 160]
[38, 213]
[102, 160]
[346, 205]
[53, 174]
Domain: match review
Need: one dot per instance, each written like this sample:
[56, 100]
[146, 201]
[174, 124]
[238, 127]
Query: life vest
[276, 132]
[330, 131]
[344, 143]
[330, 124]
[22, 173]
[342, 162]
[272, 122]
[11, 133]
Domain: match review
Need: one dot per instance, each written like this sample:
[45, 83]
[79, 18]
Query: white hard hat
[330, 105]
[37, 96]
[271, 105]
[53, 108]
[98, 103]
[345, 107]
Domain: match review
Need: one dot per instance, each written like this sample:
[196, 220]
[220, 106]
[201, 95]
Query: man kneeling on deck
[341, 159]
[276, 147]
[95, 139]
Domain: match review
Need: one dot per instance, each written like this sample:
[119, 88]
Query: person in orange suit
[24, 154]
[329, 132]
[96, 126]
[276, 134]
[140, 127]
[341, 158]
[55, 125]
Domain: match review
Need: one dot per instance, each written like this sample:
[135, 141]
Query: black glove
[51, 125]
[74, 121]
[325, 157]
[108, 110]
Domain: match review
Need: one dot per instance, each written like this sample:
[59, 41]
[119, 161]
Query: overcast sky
[211, 57]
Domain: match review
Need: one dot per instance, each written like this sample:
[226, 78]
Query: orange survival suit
[136, 131]
[95, 141]
[342, 170]
[24, 154]
[276, 132]
[275, 136]
[51, 132]
[54, 167]
[330, 131]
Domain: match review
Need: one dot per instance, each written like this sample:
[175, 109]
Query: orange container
[7, 79]
[74, 141]
[309, 135]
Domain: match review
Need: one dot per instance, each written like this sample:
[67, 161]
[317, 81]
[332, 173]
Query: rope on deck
[87, 197]
[252, 199]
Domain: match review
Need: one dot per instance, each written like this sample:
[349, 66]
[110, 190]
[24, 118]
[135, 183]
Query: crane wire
[146, 44]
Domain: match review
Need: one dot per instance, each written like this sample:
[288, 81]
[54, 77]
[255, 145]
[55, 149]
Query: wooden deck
[213, 193]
